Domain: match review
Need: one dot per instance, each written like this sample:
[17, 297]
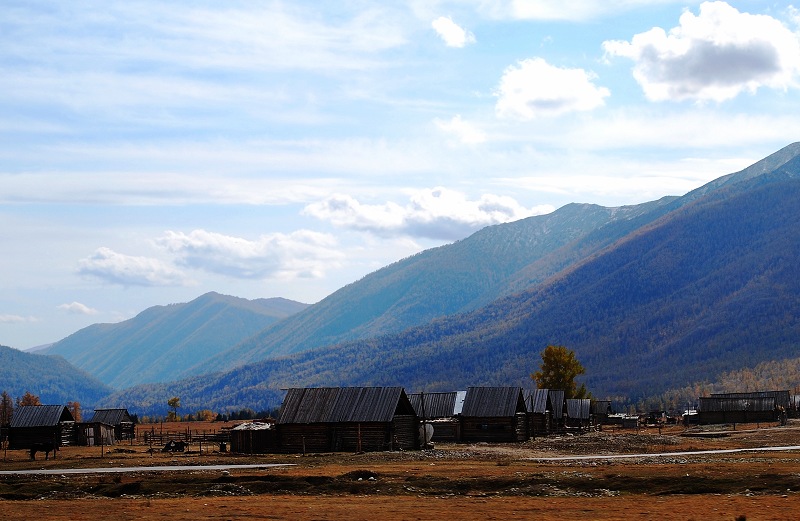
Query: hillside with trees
[708, 288]
[162, 341]
[51, 378]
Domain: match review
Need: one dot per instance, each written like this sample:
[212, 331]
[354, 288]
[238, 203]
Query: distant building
[41, 424]
[119, 419]
[495, 414]
[441, 410]
[347, 419]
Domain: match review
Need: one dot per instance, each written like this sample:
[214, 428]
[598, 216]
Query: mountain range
[161, 342]
[650, 297]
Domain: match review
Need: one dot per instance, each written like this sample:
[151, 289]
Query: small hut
[353, 419]
[90, 434]
[441, 411]
[496, 414]
[601, 411]
[540, 412]
[41, 424]
[258, 437]
[719, 409]
[558, 402]
[119, 419]
[578, 413]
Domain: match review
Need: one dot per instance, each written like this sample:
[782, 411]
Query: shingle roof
[39, 416]
[493, 402]
[344, 405]
[111, 416]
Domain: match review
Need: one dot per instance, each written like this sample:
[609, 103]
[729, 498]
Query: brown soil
[477, 481]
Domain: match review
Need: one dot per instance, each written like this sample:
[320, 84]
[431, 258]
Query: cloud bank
[437, 213]
[712, 56]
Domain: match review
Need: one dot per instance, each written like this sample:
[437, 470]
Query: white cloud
[463, 131]
[451, 33]
[436, 213]
[568, 10]
[713, 56]
[16, 319]
[534, 88]
[76, 308]
[126, 270]
[299, 254]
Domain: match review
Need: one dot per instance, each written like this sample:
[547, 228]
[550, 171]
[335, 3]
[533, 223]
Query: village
[366, 419]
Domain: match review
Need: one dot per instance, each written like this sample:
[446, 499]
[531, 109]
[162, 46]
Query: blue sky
[153, 151]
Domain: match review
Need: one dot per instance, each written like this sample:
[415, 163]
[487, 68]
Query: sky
[151, 152]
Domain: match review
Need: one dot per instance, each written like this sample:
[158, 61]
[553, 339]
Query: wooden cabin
[347, 419]
[441, 411]
[496, 414]
[90, 434]
[718, 409]
[540, 412]
[578, 413]
[119, 419]
[259, 437]
[41, 424]
[601, 411]
[558, 401]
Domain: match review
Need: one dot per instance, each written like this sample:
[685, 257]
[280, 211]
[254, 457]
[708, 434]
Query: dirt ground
[476, 481]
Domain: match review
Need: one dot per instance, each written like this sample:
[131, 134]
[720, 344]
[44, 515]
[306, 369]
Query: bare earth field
[479, 481]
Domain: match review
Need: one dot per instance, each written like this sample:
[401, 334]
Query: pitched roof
[493, 402]
[39, 416]
[438, 405]
[344, 405]
[537, 401]
[112, 416]
[578, 408]
[557, 397]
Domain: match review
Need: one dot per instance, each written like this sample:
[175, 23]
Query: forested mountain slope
[710, 287]
[161, 342]
[451, 279]
[52, 378]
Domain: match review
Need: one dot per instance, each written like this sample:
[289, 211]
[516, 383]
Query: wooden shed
[441, 411]
[540, 412]
[601, 411]
[558, 400]
[90, 434]
[119, 419]
[41, 424]
[578, 413]
[718, 409]
[496, 414]
[258, 437]
[347, 419]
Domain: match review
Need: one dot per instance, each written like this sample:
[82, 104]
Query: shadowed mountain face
[51, 378]
[162, 341]
[667, 294]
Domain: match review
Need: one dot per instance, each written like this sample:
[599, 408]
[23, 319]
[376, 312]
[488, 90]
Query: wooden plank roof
[578, 408]
[557, 397]
[111, 416]
[752, 404]
[538, 401]
[781, 397]
[27, 416]
[438, 405]
[344, 405]
[493, 402]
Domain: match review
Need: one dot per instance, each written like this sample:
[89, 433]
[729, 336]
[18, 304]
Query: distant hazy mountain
[161, 342]
[670, 293]
[52, 378]
[451, 279]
